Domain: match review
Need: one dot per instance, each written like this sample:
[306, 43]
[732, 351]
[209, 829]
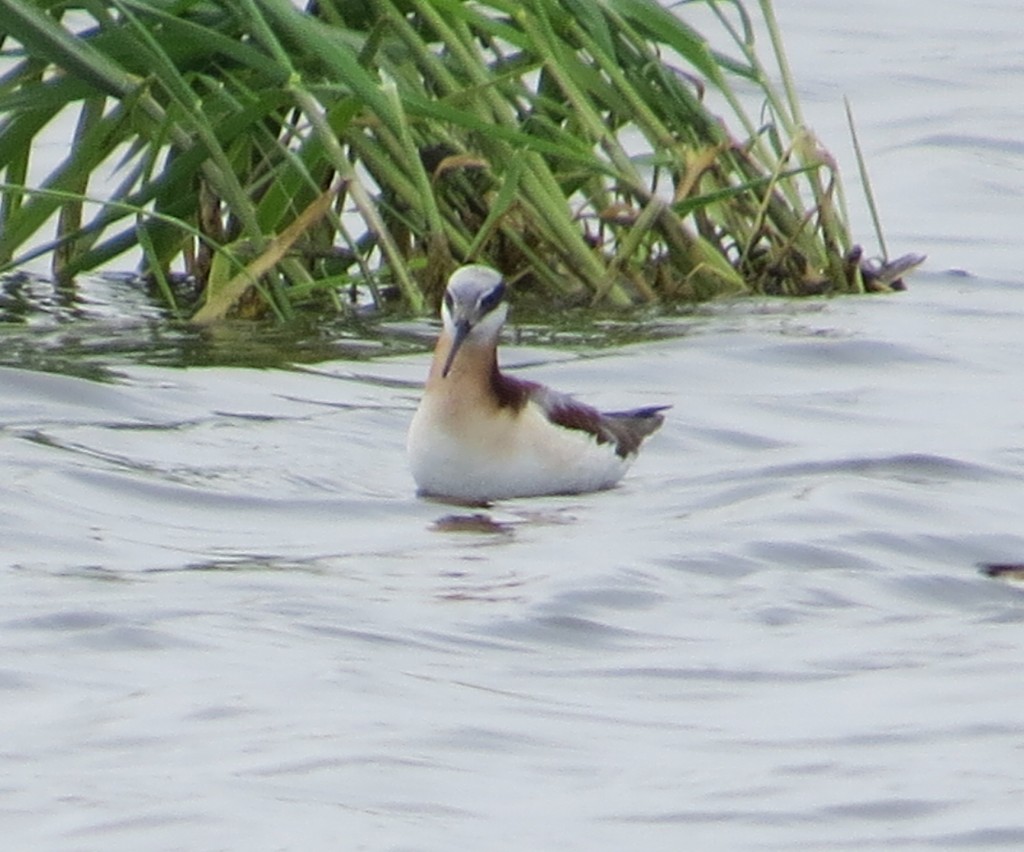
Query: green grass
[279, 155]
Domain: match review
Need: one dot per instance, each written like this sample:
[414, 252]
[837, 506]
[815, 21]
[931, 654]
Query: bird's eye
[449, 302]
[489, 302]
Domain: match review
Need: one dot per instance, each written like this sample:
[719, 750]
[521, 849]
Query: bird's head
[474, 308]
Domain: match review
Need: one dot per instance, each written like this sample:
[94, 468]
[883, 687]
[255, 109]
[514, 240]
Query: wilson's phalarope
[479, 435]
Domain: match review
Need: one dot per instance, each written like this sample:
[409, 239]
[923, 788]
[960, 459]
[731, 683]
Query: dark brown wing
[625, 429]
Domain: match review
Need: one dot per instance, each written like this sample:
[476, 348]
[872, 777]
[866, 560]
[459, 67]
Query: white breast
[502, 453]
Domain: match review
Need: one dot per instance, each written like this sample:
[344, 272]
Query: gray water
[228, 622]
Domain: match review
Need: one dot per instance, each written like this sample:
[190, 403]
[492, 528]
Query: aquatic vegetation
[272, 155]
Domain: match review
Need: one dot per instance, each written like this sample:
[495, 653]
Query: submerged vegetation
[271, 155]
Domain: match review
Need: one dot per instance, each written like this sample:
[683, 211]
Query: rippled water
[229, 624]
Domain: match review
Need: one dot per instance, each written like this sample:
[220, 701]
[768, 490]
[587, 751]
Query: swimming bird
[481, 435]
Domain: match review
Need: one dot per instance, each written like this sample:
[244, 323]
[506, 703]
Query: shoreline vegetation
[266, 157]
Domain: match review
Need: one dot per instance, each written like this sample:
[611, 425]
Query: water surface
[230, 624]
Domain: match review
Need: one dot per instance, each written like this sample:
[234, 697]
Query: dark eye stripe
[489, 302]
[449, 302]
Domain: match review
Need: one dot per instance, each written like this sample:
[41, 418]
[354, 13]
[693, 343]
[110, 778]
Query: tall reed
[278, 154]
